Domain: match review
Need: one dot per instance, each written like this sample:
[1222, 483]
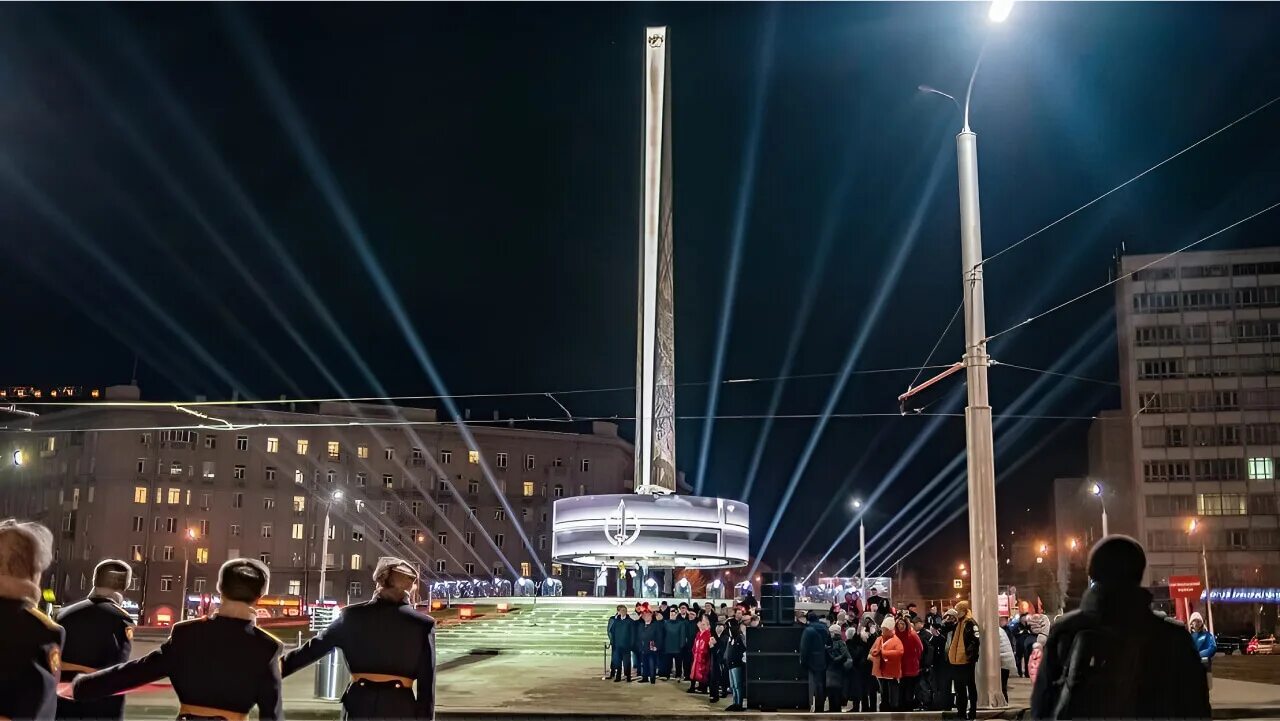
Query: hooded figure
[1206, 644]
[962, 655]
[31, 645]
[1113, 657]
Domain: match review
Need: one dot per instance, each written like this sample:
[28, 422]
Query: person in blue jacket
[1206, 644]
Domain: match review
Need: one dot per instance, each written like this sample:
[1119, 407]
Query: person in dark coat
[813, 659]
[99, 634]
[221, 665]
[648, 637]
[839, 664]
[30, 642]
[675, 632]
[1114, 657]
[1023, 639]
[388, 646]
[962, 659]
[621, 642]
[933, 666]
[719, 673]
[877, 604]
[859, 684]
[690, 618]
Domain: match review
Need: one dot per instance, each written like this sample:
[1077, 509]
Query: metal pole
[324, 552]
[982, 488]
[1104, 519]
[186, 564]
[1208, 605]
[862, 558]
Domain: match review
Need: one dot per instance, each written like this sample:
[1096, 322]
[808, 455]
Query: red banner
[1184, 591]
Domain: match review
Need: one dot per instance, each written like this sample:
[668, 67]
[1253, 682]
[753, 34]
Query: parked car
[1260, 646]
[1229, 643]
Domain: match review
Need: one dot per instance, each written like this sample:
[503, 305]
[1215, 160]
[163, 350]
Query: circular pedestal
[653, 531]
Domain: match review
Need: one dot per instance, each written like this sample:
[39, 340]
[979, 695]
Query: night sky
[153, 198]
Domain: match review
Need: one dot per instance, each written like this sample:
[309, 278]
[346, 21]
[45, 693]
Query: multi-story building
[1199, 337]
[168, 496]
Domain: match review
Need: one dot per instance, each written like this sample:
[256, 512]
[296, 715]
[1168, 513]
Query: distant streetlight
[324, 543]
[1096, 490]
[1044, 548]
[862, 550]
[186, 567]
[1192, 526]
[18, 458]
[962, 567]
[1074, 543]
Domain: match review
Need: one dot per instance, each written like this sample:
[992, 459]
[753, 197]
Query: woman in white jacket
[1007, 662]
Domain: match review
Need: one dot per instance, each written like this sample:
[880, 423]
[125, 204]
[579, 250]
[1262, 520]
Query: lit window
[135, 553]
[139, 494]
[296, 532]
[335, 449]
[473, 456]
[242, 443]
[298, 478]
[273, 445]
[175, 496]
[295, 587]
[528, 488]
[175, 469]
[302, 446]
[355, 562]
[299, 504]
[362, 451]
[1261, 469]
[202, 555]
[525, 569]
[557, 570]
[500, 459]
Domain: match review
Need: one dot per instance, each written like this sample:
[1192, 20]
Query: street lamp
[862, 552]
[1074, 543]
[1192, 527]
[324, 542]
[18, 458]
[186, 567]
[1096, 490]
[979, 442]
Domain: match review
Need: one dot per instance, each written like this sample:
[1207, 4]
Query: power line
[933, 350]
[1240, 119]
[1085, 379]
[1119, 278]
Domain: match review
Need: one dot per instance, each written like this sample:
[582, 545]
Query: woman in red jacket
[886, 658]
[701, 658]
[912, 649]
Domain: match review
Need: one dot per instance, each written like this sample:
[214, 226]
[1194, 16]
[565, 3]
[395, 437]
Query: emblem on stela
[621, 526]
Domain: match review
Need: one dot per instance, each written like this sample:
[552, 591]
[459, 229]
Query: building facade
[1199, 339]
[399, 483]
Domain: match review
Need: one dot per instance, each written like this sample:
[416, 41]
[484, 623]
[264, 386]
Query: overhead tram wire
[936, 344]
[1119, 278]
[1190, 147]
[1071, 376]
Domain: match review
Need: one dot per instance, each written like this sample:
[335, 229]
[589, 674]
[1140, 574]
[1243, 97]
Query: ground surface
[1259, 669]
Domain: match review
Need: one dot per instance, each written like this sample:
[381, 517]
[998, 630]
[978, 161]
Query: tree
[1046, 587]
[1077, 582]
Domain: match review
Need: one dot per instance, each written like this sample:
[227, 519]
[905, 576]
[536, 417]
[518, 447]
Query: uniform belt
[189, 709]
[383, 678]
[78, 668]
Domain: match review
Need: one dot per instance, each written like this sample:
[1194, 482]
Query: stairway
[546, 630]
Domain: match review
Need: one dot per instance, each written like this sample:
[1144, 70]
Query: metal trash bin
[332, 676]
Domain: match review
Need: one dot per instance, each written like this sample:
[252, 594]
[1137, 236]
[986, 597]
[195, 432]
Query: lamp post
[1192, 527]
[186, 567]
[324, 542]
[862, 554]
[1096, 490]
[979, 441]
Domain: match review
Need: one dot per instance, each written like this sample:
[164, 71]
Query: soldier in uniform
[388, 646]
[30, 642]
[99, 634]
[221, 666]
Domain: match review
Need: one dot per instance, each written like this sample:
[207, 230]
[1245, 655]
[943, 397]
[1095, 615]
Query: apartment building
[1199, 338]
[396, 481]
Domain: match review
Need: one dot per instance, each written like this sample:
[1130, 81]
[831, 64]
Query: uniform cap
[243, 579]
[112, 574]
[388, 565]
[26, 549]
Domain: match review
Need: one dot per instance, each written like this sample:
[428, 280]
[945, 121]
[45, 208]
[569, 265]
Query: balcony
[417, 463]
[177, 445]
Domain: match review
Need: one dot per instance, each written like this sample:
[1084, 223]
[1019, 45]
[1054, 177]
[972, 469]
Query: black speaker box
[778, 585]
[775, 680]
[778, 611]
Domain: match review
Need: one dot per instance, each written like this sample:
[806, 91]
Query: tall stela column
[655, 343]
[984, 564]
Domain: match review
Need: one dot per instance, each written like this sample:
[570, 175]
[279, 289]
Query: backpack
[1102, 670]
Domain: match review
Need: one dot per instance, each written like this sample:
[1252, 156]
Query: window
[527, 487]
[442, 539]
[470, 537]
[166, 553]
[1165, 471]
[415, 454]
[334, 449]
[446, 456]
[558, 462]
[442, 485]
[1263, 504]
[557, 491]
[415, 507]
[270, 474]
[1179, 505]
[175, 469]
[235, 529]
[330, 476]
[500, 460]
[362, 451]
[242, 443]
[210, 441]
[1236, 539]
[586, 465]
[354, 589]
[273, 445]
[469, 568]
[265, 557]
[139, 494]
[473, 487]
[525, 569]
[388, 481]
[440, 565]
[203, 526]
[1221, 504]
[268, 503]
[524, 512]
[1219, 469]
[471, 511]
[498, 538]
[473, 456]
[542, 543]
[298, 478]
[558, 570]
[500, 514]
[237, 472]
[296, 532]
[529, 462]
[1262, 469]
[265, 531]
[444, 509]
[202, 555]
[355, 562]
[357, 533]
[166, 583]
[362, 479]
[389, 453]
[138, 524]
[299, 504]
[135, 553]
[168, 525]
[303, 444]
[174, 496]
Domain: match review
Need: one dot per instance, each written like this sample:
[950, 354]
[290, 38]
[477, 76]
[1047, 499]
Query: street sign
[958, 583]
